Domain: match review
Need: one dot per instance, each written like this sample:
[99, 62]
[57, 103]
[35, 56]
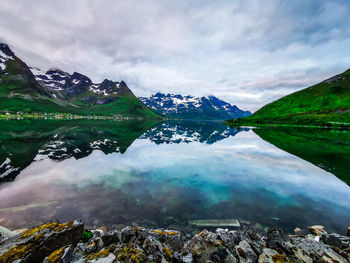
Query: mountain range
[29, 89]
[324, 104]
[189, 107]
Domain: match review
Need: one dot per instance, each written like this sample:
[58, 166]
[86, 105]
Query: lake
[168, 174]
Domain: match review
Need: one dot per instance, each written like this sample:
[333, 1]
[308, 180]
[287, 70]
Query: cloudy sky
[247, 52]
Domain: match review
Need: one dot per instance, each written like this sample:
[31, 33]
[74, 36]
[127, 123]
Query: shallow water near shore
[165, 175]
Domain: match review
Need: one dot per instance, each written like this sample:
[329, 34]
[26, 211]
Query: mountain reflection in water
[108, 173]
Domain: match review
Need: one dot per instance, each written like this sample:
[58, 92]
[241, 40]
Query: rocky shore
[55, 242]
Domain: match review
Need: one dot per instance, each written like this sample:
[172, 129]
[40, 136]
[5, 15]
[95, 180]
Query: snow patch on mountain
[4, 58]
[59, 80]
[182, 106]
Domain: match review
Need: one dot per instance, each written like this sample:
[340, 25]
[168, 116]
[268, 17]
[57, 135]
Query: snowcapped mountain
[76, 84]
[29, 89]
[189, 107]
[5, 55]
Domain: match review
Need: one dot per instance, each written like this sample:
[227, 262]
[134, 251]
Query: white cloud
[248, 52]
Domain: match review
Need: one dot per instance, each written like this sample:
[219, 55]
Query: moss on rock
[54, 226]
[55, 256]
[16, 252]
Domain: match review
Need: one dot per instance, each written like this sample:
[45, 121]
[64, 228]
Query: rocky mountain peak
[81, 78]
[6, 49]
[189, 107]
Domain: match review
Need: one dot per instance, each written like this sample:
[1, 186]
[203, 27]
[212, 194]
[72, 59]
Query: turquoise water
[166, 176]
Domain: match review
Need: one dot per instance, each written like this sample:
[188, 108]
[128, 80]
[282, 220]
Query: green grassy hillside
[326, 103]
[19, 91]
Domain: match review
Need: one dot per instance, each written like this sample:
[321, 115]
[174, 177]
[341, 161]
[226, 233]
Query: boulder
[170, 237]
[331, 240]
[268, 255]
[111, 237]
[206, 246]
[230, 238]
[245, 252]
[5, 233]
[277, 241]
[317, 230]
[309, 246]
[39, 242]
[63, 255]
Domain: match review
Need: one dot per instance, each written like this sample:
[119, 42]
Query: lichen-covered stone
[38, 242]
[245, 252]
[54, 242]
[266, 255]
[111, 237]
[277, 241]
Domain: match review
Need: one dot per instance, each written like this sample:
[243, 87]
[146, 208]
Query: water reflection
[329, 149]
[169, 183]
[22, 142]
[187, 132]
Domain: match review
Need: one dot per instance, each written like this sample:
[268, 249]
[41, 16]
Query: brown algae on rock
[54, 226]
[170, 233]
[55, 256]
[167, 252]
[101, 254]
[16, 252]
[130, 254]
[279, 258]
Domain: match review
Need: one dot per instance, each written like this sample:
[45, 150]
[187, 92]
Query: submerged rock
[54, 242]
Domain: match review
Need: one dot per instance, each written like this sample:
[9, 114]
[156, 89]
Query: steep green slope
[20, 91]
[326, 103]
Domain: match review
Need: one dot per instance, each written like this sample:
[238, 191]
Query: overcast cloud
[247, 52]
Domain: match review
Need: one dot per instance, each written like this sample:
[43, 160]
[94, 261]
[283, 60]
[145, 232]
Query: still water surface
[166, 175]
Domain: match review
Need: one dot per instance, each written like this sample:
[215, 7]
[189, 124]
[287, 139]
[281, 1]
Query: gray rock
[266, 255]
[68, 256]
[5, 233]
[276, 240]
[35, 244]
[172, 238]
[134, 234]
[245, 252]
[87, 247]
[181, 257]
[331, 240]
[334, 257]
[221, 254]
[230, 238]
[300, 256]
[111, 237]
[154, 247]
[109, 259]
[312, 248]
[203, 245]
